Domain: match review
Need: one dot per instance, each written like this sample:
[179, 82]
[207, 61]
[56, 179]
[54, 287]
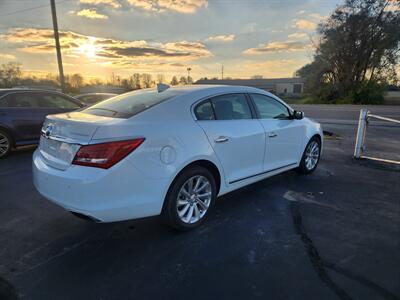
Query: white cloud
[250, 28]
[221, 38]
[297, 36]
[278, 46]
[111, 3]
[91, 14]
[180, 6]
[112, 51]
[276, 68]
[393, 6]
[7, 56]
[305, 24]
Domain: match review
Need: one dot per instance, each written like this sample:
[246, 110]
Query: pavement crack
[309, 199]
[320, 265]
[313, 254]
[362, 280]
[64, 251]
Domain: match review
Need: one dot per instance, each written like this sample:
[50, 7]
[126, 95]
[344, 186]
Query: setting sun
[89, 49]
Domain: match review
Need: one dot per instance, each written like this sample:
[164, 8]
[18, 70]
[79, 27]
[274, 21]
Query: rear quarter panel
[173, 140]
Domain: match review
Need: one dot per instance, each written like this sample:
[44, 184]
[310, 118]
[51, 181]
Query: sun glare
[89, 49]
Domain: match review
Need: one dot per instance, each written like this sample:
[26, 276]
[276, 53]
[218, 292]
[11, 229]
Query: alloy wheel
[194, 199]
[312, 155]
[4, 144]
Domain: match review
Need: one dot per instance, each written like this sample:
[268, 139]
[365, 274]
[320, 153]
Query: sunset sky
[272, 38]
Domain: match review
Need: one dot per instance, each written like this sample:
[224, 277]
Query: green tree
[357, 53]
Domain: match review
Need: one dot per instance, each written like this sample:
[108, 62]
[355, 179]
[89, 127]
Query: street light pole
[188, 70]
[58, 48]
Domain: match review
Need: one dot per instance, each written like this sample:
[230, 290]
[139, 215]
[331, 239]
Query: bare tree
[76, 81]
[183, 80]
[160, 78]
[136, 84]
[174, 80]
[147, 80]
[10, 74]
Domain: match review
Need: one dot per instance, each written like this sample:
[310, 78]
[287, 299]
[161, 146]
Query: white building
[278, 86]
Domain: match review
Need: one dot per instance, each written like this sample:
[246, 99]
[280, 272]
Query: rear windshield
[129, 104]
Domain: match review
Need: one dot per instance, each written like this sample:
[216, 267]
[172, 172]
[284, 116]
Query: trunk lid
[63, 134]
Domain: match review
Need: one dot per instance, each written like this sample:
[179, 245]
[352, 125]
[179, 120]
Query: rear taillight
[105, 155]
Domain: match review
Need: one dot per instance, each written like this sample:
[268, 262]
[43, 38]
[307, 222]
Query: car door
[55, 103]
[283, 134]
[27, 110]
[236, 137]
[24, 116]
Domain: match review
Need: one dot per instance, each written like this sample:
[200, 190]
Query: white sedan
[170, 151]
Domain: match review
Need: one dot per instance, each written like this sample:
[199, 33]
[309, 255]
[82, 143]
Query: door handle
[272, 134]
[221, 139]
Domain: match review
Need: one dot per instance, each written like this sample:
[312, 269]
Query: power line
[28, 9]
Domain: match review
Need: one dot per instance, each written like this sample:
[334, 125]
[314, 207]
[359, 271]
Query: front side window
[55, 101]
[231, 107]
[270, 108]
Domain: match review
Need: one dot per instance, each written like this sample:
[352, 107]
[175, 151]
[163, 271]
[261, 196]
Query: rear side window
[130, 104]
[55, 101]
[231, 107]
[25, 100]
[204, 111]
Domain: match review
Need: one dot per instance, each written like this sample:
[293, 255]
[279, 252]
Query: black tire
[170, 208]
[4, 135]
[302, 169]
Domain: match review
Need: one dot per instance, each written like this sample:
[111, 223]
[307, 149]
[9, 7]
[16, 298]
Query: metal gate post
[362, 128]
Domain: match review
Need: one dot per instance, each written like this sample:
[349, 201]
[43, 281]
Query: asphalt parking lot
[334, 234]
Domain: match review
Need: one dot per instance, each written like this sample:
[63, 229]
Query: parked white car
[170, 151]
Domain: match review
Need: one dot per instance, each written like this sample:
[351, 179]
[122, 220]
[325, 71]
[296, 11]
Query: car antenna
[162, 87]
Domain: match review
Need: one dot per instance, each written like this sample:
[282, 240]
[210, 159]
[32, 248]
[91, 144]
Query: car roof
[213, 88]
[204, 90]
[13, 90]
[95, 94]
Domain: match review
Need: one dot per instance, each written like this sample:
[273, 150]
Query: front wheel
[190, 198]
[310, 158]
[5, 144]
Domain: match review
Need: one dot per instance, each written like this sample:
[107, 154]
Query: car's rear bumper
[119, 193]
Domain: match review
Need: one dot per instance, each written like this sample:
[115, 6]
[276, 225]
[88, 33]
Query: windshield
[129, 104]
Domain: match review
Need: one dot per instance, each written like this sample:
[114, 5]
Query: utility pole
[222, 72]
[58, 48]
[188, 70]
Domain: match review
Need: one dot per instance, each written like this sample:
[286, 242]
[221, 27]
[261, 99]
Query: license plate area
[57, 153]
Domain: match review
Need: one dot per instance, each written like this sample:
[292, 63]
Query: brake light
[105, 155]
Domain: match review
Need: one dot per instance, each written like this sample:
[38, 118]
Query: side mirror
[298, 115]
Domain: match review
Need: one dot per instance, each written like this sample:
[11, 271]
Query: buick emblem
[48, 130]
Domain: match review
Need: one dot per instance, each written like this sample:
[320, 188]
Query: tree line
[11, 75]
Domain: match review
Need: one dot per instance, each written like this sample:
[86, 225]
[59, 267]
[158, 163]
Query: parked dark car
[92, 98]
[22, 112]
